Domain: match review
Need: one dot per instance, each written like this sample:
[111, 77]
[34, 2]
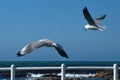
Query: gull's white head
[86, 27]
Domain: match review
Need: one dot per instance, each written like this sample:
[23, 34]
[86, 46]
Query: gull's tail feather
[102, 28]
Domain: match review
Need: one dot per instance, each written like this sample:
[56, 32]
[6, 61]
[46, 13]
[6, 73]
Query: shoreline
[55, 72]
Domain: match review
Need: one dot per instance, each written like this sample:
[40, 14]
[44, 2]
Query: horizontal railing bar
[89, 67]
[38, 68]
[5, 69]
[57, 68]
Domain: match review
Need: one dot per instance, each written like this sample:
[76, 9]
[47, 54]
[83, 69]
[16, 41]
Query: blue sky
[25, 21]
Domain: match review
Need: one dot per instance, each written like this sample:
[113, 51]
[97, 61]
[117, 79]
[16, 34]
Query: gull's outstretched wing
[88, 16]
[98, 20]
[44, 42]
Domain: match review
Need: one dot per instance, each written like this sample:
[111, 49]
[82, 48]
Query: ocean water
[57, 63]
[4, 75]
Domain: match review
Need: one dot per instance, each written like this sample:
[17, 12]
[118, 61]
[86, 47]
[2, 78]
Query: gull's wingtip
[66, 57]
[62, 52]
[104, 15]
[19, 54]
[84, 8]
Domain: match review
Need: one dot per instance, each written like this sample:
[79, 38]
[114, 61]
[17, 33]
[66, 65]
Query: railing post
[62, 71]
[115, 72]
[12, 72]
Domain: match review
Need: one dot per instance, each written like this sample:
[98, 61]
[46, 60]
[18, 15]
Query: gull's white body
[91, 27]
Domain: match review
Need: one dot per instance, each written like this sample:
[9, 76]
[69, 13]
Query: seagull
[93, 23]
[40, 43]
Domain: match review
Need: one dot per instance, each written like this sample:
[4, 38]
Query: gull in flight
[93, 23]
[43, 42]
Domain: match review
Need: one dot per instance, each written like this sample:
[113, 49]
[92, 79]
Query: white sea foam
[77, 75]
[69, 75]
[34, 75]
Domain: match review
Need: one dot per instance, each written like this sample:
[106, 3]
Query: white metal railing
[63, 68]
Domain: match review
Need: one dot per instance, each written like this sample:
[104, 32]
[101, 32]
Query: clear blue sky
[25, 21]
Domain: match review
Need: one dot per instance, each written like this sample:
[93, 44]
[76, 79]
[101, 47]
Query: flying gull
[43, 42]
[93, 23]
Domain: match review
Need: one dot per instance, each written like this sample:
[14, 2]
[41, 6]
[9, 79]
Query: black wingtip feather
[101, 17]
[85, 9]
[19, 54]
[62, 52]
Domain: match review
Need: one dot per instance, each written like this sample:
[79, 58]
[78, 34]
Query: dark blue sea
[4, 75]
